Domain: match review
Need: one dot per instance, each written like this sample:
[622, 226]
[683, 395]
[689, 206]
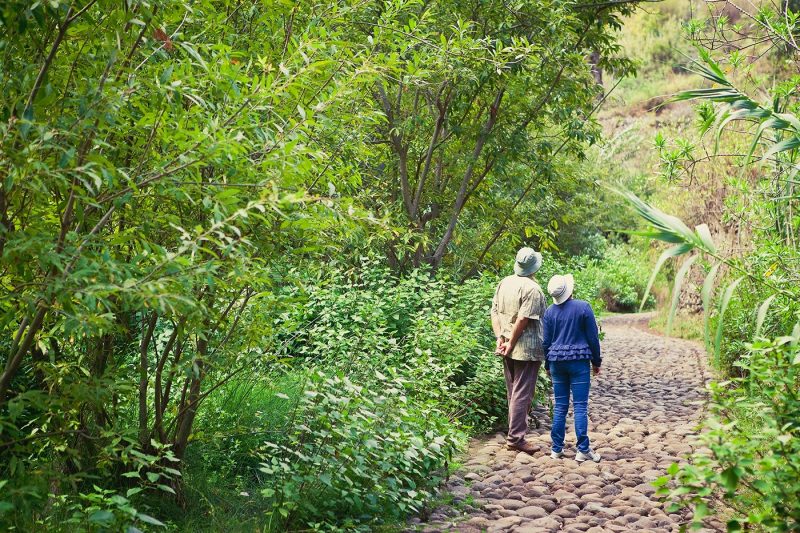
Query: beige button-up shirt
[521, 296]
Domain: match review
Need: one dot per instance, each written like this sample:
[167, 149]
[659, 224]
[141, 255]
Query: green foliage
[749, 295]
[356, 454]
[434, 332]
[620, 278]
[753, 441]
[485, 115]
[170, 168]
[157, 157]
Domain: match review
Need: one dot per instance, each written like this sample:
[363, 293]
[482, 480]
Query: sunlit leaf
[726, 298]
[676, 290]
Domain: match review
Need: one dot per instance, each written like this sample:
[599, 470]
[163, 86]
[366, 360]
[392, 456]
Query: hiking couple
[564, 336]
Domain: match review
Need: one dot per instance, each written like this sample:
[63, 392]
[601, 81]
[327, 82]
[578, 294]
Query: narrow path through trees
[644, 410]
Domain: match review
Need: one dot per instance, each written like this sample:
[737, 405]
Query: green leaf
[676, 291]
[726, 298]
[704, 237]
[762, 314]
[166, 488]
[166, 75]
[706, 293]
[670, 252]
[730, 478]
[103, 516]
[783, 146]
[192, 52]
[150, 520]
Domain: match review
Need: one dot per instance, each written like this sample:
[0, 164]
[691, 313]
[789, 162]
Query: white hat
[560, 287]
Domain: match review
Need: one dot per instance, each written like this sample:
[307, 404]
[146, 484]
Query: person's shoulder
[584, 305]
[532, 284]
[504, 280]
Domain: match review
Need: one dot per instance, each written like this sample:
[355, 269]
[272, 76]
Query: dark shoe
[523, 446]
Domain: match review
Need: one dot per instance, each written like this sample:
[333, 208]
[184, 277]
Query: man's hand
[596, 370]
[501, 346]
[506, 348]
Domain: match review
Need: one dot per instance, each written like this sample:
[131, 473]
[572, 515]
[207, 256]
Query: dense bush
[356, 454]
[753, 438]
[621, 279]
[435, 332]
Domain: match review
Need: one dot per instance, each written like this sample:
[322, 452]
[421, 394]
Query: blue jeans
[570, 376]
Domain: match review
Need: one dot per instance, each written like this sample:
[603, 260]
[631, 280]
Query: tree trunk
[147, 334]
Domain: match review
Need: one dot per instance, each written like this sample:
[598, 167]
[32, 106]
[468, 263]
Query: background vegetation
[720, 89]
[247, 249]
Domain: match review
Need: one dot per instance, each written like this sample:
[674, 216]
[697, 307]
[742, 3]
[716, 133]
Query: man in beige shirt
[517, 310]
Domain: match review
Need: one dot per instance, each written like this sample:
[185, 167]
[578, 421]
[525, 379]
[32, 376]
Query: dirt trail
[643, 411]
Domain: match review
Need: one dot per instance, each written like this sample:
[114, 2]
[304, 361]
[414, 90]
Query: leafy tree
[481, 100]
[156, 160]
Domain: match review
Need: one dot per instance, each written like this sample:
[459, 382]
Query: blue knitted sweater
[570, 332]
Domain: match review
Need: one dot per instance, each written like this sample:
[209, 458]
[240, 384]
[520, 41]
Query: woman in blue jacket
[571, 345]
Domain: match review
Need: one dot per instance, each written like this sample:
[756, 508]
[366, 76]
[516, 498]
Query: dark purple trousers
[520, 385]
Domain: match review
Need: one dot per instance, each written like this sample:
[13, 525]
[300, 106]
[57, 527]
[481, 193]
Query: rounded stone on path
[567, 511]
[547, 522]
[646, 488]
[644, 523]
[510, 504]
[493, 480]
[531, 511]
[478, 521]
[576, 528]
[460, 491]
[545, 504]
[515, 496]
[609, 477]
[480, 469]
[589, 467]
[505, 523]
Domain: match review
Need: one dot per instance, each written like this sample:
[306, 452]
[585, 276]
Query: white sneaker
[556, 455]
[591, 455]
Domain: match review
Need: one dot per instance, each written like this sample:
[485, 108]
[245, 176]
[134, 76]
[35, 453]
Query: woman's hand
[596, 370]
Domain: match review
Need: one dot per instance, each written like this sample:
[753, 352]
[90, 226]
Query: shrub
[622, 276]
[356, 454]
[753, 435]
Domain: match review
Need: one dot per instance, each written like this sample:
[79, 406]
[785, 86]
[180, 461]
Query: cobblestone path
[643, 411]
